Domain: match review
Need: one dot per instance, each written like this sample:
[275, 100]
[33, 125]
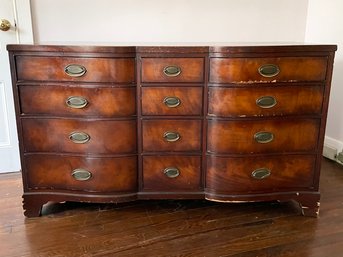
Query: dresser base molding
[34, 201]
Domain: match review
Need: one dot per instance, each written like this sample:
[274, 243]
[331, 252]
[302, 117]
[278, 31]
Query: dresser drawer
[36, 68]
[171, 101]
[171, 135]
[172, 69]
[265, 101]
[81, 173]
[171, 173]
[77, 100]
[259, 70]
[260, 174]
[263, 136]
[79, 136]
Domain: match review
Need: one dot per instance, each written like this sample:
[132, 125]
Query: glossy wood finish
[154, 130]
[192, 69]
[52, 135]
[180, 227]
[54, 172]
[155, 180]
[234, 175]
[237, 137]
[35, 68]
[209, 130]
[153, 100]
[242, 102]
[245, 70]
[102, 101]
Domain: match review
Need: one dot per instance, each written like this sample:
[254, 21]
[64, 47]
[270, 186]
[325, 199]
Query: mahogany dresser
[222, 123]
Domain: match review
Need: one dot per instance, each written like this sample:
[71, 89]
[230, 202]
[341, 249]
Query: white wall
[115, 21]
[325, 25]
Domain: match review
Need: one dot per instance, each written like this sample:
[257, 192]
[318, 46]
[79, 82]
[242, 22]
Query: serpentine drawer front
[222, 123]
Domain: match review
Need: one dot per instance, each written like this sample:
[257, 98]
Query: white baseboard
[331, 142]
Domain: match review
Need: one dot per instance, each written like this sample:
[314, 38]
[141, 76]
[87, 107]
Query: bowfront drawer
[263, 136]
[81, 173]
[34, 68]
[171, 173]
[172, 69]
[79, 136]
[77, 101]
[260, 70]
[259, 174]
[171, 135]
[171, 101]
[265, 101]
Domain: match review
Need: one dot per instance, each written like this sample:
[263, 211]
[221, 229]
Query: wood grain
[238, 136]
[54, 172]
[173, 228]
[241, 102]
[245, 70]
[102, 101]
[52, 135]
[192, 69]
[190, 100]
[38, 68]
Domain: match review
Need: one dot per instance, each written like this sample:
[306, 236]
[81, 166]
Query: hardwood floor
[174, 228]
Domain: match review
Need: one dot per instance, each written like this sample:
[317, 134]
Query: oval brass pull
[79, 137]
[171, 172]
[261, 173]
[171, 136]
[172, 101]
[75, 70]
[264, 137]
[81, 174]
[266, 102]
[269, 70]
[76, 102]
[172, 71]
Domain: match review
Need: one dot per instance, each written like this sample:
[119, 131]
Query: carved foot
[309, 205]
[33, 206]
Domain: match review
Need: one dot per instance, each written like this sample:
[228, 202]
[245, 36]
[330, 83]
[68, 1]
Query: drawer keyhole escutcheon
[269, 70]
[264, 137]
[172, 101]
[81, 174]
[75, 70]
[171, 172]
[76, 102]
[172, 71]
[266, 102]
[261, 173]
[79, 137]
[170, 136]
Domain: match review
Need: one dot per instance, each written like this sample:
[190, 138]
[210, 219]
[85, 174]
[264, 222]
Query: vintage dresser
[222, 123]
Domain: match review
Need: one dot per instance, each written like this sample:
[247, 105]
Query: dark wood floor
[174, 228]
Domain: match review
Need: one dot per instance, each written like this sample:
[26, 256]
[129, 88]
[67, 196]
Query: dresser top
[179, 48]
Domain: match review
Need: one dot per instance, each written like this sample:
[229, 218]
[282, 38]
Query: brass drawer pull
[264, 137]
[171, 172]
[269, 70]
[81, 174]
[171, 136]
[266, 102]
[261, 173]
[172, 71]
[76, 102]
[172, 101]
[75, 70]
[79, 137]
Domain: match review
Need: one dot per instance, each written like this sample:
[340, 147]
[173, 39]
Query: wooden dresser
[222, 123]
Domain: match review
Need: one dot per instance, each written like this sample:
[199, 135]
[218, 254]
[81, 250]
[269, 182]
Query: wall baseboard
[332, 148]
